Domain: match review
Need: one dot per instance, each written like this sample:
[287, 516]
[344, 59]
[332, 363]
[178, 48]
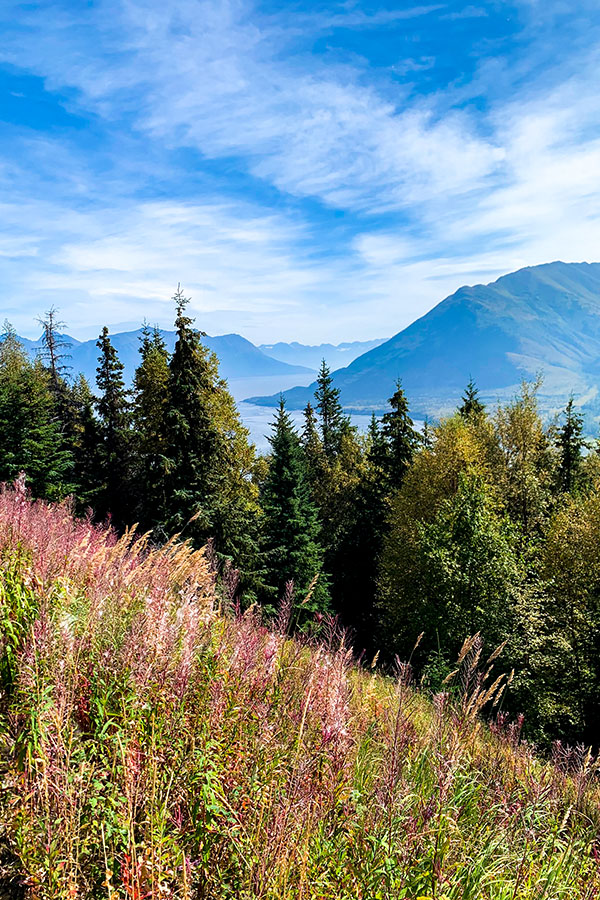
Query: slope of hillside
[152, 747]
[539, 319]
[335, 355]
[237, 356]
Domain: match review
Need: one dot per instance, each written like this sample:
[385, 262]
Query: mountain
[540, 319]
[335, 355]
[238, 358]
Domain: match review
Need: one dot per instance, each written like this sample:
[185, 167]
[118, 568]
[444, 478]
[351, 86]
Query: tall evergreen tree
[84, 435]
[331, 416]
[115, 422]
[150, 405]
[471, 404]
[193, 441]
[30, 431]
[426, 439]
[377, 448]
[312, 446]
[358, 539]
[293, 551]
[54, 352]
[75, 408]
[570, 444]
[210, 489]
[401, 439]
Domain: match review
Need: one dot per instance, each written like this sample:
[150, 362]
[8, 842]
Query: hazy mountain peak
[538, 319]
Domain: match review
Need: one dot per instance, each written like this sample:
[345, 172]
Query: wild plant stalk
[153, 747]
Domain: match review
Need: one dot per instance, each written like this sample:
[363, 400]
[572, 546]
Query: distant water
[258, 419]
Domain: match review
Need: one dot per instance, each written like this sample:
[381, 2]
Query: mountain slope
[540, 319]
[151, 746]
[238, 357]
[335, 355]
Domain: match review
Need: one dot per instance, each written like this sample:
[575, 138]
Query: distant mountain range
[336, 355]
[238, 357]
[542, 319]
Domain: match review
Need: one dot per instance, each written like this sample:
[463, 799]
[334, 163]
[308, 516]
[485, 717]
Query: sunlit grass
[153, 747]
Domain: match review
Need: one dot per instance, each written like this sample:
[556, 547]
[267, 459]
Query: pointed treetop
[282, 424]
[471, 405]
[109, 377]
[183, 323]
[400, 437]
[151, 339]
[309, 432]
[426, 438]
[570, 443]
[333, 422]
[52, 352]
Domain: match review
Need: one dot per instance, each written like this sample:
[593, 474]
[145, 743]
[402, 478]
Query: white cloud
[206, 75]
[463, 196]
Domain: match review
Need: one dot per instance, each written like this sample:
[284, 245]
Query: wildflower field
[154, 746]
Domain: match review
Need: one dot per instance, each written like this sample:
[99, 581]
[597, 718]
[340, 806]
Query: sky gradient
[307, 171]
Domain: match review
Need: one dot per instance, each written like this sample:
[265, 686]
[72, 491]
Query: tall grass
[152, 747]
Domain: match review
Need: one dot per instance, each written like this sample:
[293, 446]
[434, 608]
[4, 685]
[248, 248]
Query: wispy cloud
[310, 181]
[206, 75]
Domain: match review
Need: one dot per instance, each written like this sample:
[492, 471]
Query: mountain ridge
[238, 357]
[540, 318]
[311, 355]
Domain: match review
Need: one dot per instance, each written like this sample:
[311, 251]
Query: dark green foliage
[74, 405]
[192, 439]
[399, 440]
[292, 549]
[30, 429]
[313, 446]
[150, 405]
[83, 431]
[570, 443]
[457, 576]
[471, 404]
[356, 558]
[332, 420]
[209, 489]
[114, 411]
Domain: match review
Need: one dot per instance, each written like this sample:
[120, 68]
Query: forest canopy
[486, 522]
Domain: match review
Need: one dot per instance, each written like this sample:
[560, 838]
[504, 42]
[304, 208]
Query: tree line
[488, 521]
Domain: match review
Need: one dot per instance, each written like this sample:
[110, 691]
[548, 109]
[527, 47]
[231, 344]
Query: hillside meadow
[157, 744]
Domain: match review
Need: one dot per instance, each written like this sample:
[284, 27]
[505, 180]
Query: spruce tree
[31, 438]
[85, 439]
[377, 448]
[75, 408]
[570, 443]
[471, 405]
[358, 545]
[426, 438]
[401, 439]
[115, 429]
[292, 549]
[209, 486]
[312, 446]
[150, 405]
[192, 440]
[331, 416]
[54, 352]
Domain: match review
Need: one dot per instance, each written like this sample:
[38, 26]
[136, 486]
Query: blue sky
[310, 171]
